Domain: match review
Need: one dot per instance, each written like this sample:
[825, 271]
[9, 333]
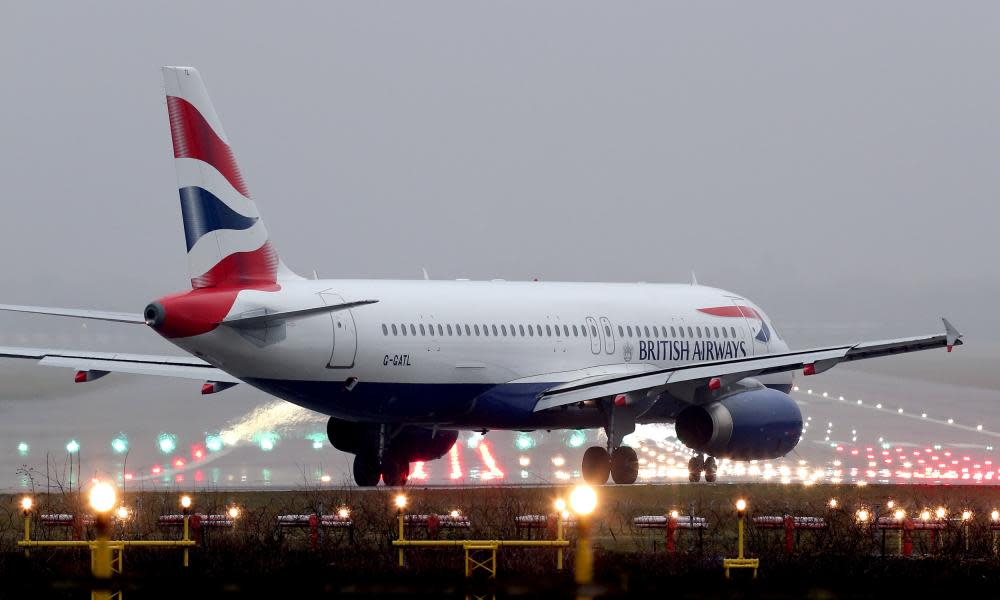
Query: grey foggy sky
[836, 162]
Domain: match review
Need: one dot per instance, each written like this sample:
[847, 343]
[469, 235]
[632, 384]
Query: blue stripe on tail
[203, 212]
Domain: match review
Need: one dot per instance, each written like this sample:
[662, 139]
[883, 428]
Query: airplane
[401, 367]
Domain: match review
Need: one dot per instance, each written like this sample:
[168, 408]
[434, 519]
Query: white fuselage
[474, 353]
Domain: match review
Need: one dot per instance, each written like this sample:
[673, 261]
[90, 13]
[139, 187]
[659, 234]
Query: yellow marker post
[186, 505]
[583, 501]
[102, 499]
[560, 521]
[400, 505]
[26, 504]
[740, 562]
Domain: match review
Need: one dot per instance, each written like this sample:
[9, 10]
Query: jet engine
[752, 422]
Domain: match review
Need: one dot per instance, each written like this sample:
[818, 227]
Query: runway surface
[929, 417]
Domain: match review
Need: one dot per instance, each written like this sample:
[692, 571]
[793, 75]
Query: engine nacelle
[752, 423]
[413, 443]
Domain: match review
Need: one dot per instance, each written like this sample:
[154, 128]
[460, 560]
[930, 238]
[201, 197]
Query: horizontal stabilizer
[262, 317]
[80, 313]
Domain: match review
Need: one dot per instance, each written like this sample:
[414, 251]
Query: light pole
[26, 504]
[103, 498]
[186, 507]
[583, 501]
[400, 505]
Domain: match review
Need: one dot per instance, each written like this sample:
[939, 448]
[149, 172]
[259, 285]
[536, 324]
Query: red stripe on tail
[193, 137]
[242, 269]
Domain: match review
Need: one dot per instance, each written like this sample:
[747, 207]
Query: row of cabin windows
[504, 330]
[692, 332]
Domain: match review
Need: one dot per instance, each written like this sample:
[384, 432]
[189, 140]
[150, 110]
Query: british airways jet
[401, 367]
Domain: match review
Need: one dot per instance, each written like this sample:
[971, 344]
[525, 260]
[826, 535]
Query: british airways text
[688, 350]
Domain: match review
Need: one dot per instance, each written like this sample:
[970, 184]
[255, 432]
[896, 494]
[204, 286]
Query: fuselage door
[749, 325]
[609, 336]
[594, 334]
[345, 335]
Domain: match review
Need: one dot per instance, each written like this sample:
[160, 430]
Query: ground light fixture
[400, 502]
[185, 502]
[900, 514]
[455, 514]
[863, 515]
[560, 505]
[833, 503]
[583, 500]
[234, 512]
[995, 515]
[940, 512]
[122, 513]
[343, 512]
[741, 507]
[103, 497]
[966, 515]
[26, 504]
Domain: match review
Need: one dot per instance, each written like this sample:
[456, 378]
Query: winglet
[952, 336]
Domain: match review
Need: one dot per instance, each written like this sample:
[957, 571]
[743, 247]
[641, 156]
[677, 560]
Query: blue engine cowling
[751, 423]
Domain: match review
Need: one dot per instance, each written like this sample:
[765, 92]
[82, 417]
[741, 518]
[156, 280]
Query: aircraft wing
[728, 371]
[102, 363]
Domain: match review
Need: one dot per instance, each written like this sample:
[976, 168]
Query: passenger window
[538, 328]
[629, 330]
[576, 332]
[495, 331]
[732, 330]
[476, 329]
[422, 329]
[385, 330]
[403, 329]
[715, 330]
[656, 332]
[548, 331]
[521, 329]
[646, 329]
[565, 330]
[458, 329]
[468, 330]
[607, 331]
[664, 328]
[583, 330]
[621, 331]
[503, 330]
[413, 329]
[394, 332]
[531, 331]
[593, 331]
[698, 331]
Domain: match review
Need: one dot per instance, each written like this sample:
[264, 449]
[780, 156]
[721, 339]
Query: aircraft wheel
[596, 465]
[711, 468]
[695, 467]
[624, 465]
[366, 470]
[395, 471]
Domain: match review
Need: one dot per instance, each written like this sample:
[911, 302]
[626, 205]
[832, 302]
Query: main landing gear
[393, 470]
[620, 462]
[697, 464]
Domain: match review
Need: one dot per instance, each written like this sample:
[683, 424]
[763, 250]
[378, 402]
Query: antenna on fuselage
[694, 278]
[426, 276]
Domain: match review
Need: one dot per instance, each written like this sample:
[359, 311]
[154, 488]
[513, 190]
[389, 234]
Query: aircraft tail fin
[227, 243]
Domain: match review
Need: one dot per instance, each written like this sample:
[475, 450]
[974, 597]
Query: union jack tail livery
[227, 243]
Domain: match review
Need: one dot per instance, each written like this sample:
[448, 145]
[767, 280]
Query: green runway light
[119, 445]
[213, 443]
[166, 442]
[73, 446]
[267, 440]
[23, 449]
[318, 440]
[577, 439]
[523, 441]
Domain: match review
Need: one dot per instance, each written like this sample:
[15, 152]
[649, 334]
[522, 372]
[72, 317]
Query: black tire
[366, 470]
[395, 471]
[624, 466]
[710, 476]
[695, 467]
[596, 465]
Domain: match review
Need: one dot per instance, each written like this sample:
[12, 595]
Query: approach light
[343, 512]
[940, 512]
[863, 515]
[577, 439]
[234, 512]
[891, 504]
[833, 503]
[72, 446]
[741, 505]
[400, 502]
[103, 497]
[185, 502]
[900, 514]
[27, 503]
[524, 441]
[925, 515]
[560, 505]
[23, 448]
[119, 445]
[966, 515]
[583, 500]
[674, 514]
[166, 443]
[454, 514]
[995, 515]
[122, 513]
[524, 461]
